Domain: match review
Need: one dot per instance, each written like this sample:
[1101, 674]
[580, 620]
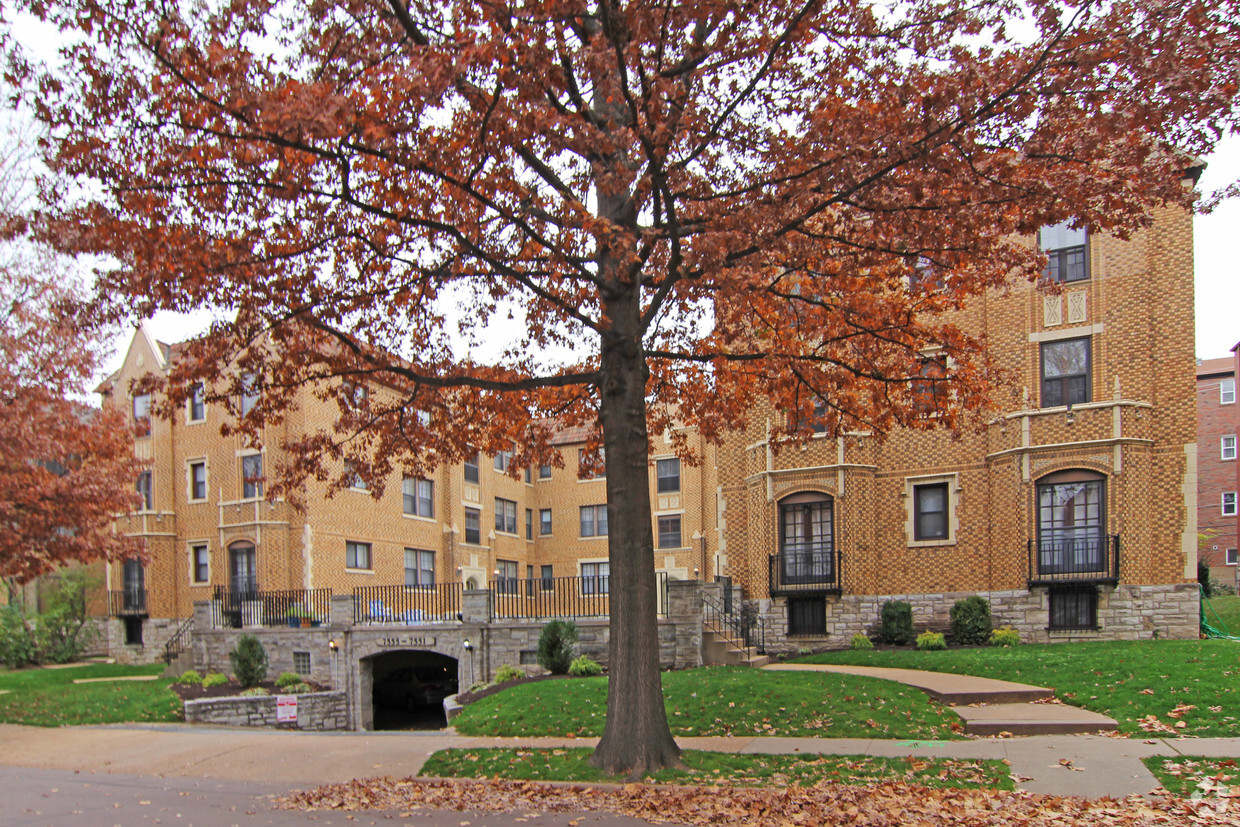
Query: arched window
[1072, 522]
[242, 568]
[807, 538]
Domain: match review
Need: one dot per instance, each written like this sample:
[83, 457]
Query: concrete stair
[988, 706]
[718, 650]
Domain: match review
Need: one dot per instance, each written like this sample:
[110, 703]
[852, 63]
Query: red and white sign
[286, 708]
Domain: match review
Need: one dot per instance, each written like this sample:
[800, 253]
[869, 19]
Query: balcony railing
[806, 568]
[235, 608]
[127, 602]
[1075, 560]
[547, 597]
[440, 603]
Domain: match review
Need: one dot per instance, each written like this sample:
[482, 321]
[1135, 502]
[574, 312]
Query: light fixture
[1071, 414]
[331, 644]
[467, 646]
[696, 571]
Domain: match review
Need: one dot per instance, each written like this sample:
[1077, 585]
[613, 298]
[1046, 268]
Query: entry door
[134, 585]
[243, 572]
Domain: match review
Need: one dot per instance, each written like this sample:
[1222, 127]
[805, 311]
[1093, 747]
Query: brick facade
[1218, 416]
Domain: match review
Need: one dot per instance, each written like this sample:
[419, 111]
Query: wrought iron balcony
[128, 602]
[1082, 560]
[804, 569]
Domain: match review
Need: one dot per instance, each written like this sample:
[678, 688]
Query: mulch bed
[194, 692]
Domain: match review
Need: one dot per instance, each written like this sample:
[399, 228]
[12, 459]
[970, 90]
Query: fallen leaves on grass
[886, 803]
[1150, 723]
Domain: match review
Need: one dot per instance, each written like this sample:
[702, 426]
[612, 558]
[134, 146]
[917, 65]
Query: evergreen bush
[214, 679]
[895, 624]
[584, 666]
[970, 621]
[249, 661]
[288, 679]
[555, 646]
[860, 641]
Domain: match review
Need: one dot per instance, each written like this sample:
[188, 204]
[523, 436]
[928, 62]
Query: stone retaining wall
[1125, 612]
[320, 711]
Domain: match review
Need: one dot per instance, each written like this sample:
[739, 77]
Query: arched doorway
[408, 688]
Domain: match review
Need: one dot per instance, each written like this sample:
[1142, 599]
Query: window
[1228, 446]
[418, 496]
[594, 521]
[1232, 556]
[199, 563]
[1229, 503]
[544, 522]
[528, 479]
[354, 477]
[473, 526]
[198, 480]
[807, 616]
[355, 396]
[197, 403]
[595, 578]
[807, 539]
[142, 414]
[544, 472]
[667, 475]
[505, 516]
[1068, 251]
[1073, 609]
[591, 465]
[930, 390]
[930, 511]
[243, 569]
[419, 568]
[669, 532]
[146, 489]
[925, 277]
[548, 581]
[356, 555]
[502, 460]
[249, 393]
[529, 524]
[1227, 392]
[1072, 523]
[301, 663]
[1065, 373]
[816, 421]
[506, 576]
[471, 469]
[252, 476]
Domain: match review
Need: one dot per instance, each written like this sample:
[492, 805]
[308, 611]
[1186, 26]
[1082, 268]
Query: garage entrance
[408, 688]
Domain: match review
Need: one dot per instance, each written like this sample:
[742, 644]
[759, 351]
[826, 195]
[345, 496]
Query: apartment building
[1218, 423]
[1074, 511]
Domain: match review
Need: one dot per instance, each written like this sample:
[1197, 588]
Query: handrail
[179, 641]
[236, 608]
[741, 629]
[440, 603]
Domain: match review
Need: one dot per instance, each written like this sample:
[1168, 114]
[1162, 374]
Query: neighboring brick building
[1074, 511]
[1218, 424]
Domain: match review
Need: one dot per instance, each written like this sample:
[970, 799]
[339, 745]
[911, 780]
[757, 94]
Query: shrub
[253, 692]
[896, 623]
[299, 688]
[970, 621]
[931, 642]
[190, 678]
[1203, 578]
[249, 661]
[1007, 636]
[288, 679]
[16, 640]
[214, 679]
[584, 666]
[508, 673]
[555, 646]
[860, 641]
[61, 631]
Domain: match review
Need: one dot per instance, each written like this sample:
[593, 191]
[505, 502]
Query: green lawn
[706, 768]
[49, 697]
[1189, 775]
[723, 701]
[1223, 613]
[1124, 679]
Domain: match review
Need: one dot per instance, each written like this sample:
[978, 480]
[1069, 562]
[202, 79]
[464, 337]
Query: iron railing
[233, 608]
[806, 568]
[548, 597]
[128, 602]
[179, 641]
[743, 629]
[440, 603]
[1078, 560]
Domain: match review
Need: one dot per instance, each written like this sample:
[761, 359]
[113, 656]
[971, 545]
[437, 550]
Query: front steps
[718, 650]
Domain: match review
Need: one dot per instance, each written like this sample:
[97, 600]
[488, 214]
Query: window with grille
[1073, 609]
[301, 663]
[807, 616]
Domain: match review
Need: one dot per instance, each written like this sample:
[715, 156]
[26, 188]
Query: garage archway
[408, 687]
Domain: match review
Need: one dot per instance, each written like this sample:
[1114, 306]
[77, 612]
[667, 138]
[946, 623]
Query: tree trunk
[636, 738]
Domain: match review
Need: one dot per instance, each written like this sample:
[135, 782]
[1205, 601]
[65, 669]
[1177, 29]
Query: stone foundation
[156, 632]
[1125, 612]
[319, 711]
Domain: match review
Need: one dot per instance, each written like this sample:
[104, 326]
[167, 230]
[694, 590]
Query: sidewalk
[1100, 766]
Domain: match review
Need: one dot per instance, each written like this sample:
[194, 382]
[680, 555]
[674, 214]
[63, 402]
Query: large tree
[703, 203]
[66, 469]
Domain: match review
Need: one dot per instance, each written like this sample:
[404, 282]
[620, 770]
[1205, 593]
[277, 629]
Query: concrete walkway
[1095, 766]
[988, 706]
